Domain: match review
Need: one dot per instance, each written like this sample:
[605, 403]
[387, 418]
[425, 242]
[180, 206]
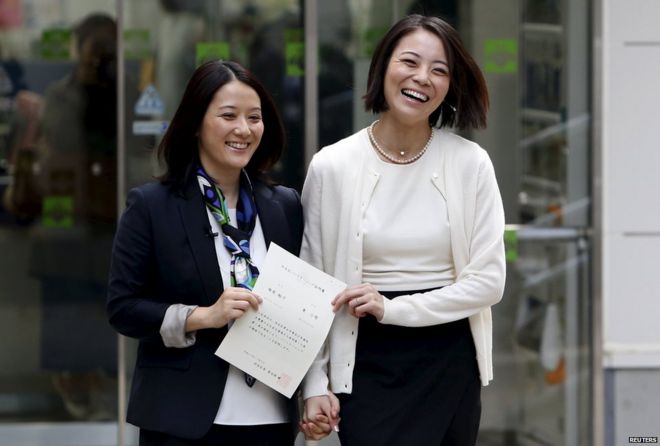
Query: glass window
[168, 39]
[58, 355]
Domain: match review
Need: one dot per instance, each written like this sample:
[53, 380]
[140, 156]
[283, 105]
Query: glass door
[542, 389]
[58, 355]
[166, 40]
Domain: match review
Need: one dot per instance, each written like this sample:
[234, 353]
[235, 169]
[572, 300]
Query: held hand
[361, 300]
[321, 416]
[232, 304]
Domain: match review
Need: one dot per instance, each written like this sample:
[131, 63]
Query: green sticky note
[511, 245]
[205, 51]
[137, 44]
[57, 211]
[55, 44]
[501, 55]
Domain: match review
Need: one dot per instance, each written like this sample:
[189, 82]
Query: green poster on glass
[294, 52]
[511, 245]
[137, 44]
[55, 44]
[371, 38]
[501, 55]
[205, 51]
[57, 211]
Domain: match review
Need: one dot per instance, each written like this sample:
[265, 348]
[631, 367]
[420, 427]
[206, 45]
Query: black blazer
[164, 254]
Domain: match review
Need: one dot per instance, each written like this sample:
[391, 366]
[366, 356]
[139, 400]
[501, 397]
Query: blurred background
[86, 91]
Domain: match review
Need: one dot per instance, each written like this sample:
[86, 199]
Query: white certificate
[278, 343]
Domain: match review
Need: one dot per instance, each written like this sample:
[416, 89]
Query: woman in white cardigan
[410, 217]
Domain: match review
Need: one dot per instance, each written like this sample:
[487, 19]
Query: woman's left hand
[361, 300]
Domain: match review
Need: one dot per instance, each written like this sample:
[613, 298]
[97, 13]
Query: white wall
[631, 184]
[628, 61]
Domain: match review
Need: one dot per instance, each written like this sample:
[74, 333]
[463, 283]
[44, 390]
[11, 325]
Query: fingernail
[336, 428]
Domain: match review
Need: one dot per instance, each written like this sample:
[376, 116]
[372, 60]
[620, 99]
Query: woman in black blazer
[184, 260]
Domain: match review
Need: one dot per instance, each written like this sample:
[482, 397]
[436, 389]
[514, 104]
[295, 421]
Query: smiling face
[417, 77]
[231, 130]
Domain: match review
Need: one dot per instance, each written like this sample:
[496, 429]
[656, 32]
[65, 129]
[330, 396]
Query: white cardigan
[335, 196]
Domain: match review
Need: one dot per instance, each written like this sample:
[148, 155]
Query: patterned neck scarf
[243, 272]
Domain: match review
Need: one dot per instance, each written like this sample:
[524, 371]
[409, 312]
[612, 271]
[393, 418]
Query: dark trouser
[221, 435]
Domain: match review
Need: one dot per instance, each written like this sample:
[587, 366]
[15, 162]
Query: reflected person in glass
[185, 257]
[75, 185]
[409, 215]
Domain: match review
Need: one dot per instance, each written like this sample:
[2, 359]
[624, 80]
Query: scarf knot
[236, 238]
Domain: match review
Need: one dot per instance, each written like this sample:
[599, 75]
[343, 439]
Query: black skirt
[412, 385]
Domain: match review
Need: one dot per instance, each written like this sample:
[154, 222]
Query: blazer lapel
[272, 218]
[192, 211]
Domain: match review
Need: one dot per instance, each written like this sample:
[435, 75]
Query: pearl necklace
[379, 149]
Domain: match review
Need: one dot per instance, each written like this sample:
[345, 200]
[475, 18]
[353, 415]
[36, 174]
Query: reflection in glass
[58, 216]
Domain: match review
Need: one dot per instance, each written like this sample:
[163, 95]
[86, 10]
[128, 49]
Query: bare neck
[397, 135]
[230, 190]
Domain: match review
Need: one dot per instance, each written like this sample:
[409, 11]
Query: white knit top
[406, 240]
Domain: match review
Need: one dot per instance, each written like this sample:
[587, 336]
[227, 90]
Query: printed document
[278, 343]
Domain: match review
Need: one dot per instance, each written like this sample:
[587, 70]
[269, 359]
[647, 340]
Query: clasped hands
[321, 416]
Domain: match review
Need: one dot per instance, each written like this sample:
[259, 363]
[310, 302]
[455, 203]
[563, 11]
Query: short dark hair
[179, 147]
[98, 25]
[99, 32]
[466, 103]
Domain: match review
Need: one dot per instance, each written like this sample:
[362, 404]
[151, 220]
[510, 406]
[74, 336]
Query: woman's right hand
[231, 305]
[361, 300]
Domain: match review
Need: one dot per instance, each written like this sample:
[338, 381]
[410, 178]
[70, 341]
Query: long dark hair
[466, 103]
[178, 149]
